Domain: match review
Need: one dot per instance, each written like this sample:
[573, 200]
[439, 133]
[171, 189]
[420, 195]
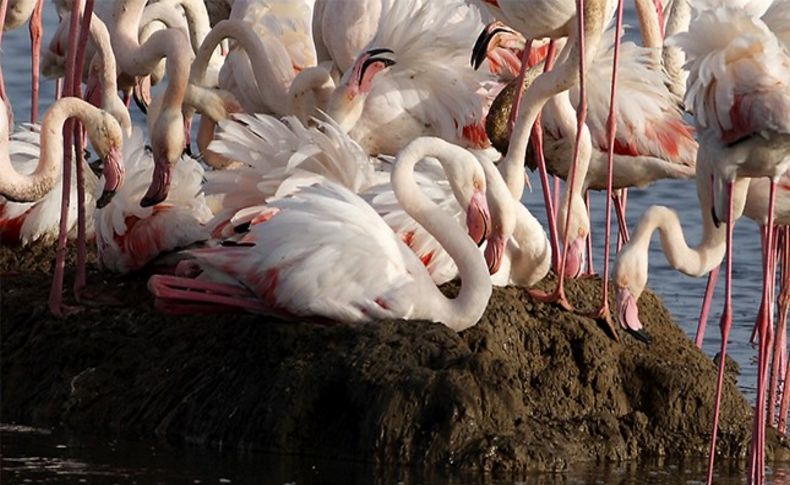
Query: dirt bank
[530, 387]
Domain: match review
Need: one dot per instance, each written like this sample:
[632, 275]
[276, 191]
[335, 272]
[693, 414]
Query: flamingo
[129, 236]
[739, 88]
[380, 277]
[583, 23]
[416, 96]
[286, 153]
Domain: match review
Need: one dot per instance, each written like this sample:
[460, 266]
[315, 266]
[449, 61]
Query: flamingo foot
[557, 296]
[604, 318]
[179, 295]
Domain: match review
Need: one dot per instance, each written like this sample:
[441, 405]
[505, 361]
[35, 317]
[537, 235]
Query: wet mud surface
[531, 387]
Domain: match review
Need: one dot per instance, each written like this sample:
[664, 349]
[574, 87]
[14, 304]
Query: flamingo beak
[478, 218]
[494, 252]
[366, 67]
[114, 171]
[575, 259]
[142, 93]
[480, 49]
[160, 184]
[628, 315]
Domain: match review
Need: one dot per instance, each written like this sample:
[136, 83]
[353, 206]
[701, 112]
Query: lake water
[42, 457]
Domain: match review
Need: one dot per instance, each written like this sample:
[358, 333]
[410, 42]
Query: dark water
[35, 456]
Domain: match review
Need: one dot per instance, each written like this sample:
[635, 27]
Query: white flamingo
[129, 236]
[366, 274]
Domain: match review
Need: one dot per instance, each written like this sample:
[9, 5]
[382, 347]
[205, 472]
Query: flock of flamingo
[351, 153]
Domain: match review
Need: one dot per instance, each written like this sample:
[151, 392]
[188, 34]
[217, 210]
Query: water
[37, 456]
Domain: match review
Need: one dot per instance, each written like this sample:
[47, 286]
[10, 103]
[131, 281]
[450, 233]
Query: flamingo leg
[725, 326]
[3, 94]
[35, 46]
[779, 366]
[604, 314]
[590, 265]
[765, 332]
[511, 122]
[56, 291]
[79, 145]
[58, 88]
[537, 139]
[713, 277]
[558, 295]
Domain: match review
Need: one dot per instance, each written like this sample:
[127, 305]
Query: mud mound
[530, 387]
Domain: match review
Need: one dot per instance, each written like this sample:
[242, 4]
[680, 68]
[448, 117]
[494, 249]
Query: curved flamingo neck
[674, 57]
[692, 261]
[29, 188]
[107, 68]
[311, 89]
[261, 59]
[649, 26]
[466, 309]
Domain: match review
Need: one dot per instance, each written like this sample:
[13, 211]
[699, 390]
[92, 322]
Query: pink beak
[628, 315]
[575, 259]
[494, 252]
[114, 171]
[160, 184]
[478, 218]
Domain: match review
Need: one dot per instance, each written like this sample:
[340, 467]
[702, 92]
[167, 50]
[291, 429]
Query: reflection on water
[41, 456]
[35, 456]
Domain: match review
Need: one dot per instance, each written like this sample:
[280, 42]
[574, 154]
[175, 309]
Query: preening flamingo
[277, 270]
[129, 236]
[286, 154]
[417, 95]
[739, 90]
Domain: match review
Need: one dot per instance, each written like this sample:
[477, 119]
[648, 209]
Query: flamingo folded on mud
[739, 89]
[366, 273]
[286, 154]
[129, 236]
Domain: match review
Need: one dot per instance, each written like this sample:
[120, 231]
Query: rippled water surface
[37, 456]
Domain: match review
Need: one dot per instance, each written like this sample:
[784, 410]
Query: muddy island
[531, 387]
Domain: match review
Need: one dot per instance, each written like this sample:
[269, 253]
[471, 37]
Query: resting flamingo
[129, 236]
[739, 89]
[380, 277]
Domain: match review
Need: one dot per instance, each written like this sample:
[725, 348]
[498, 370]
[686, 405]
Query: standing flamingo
[739, 88]
[18, 12]
[380, 276]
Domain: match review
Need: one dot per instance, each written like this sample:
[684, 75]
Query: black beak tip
[106, 198]
[716, 220]
[641, 335]
[148, 202]
[140, 104]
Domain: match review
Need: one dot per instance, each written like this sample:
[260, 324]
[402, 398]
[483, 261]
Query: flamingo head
[347, 102]
[577, 232]
[575, 258]
[478, 217]
[167, 141]
[630, 277]
[500, 45]
[107, 139]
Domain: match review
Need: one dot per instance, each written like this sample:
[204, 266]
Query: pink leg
[603, 312]
[3, 94]
[175, 294]
[706, 301]
[757, 455]
[511, 122]
[537, 139]
[79, 145]
[590, 265]
[557, 188]
[56, 292]
[778, 360]
[726, 325]
[558, 295]
[58, 88]
[35, 44]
